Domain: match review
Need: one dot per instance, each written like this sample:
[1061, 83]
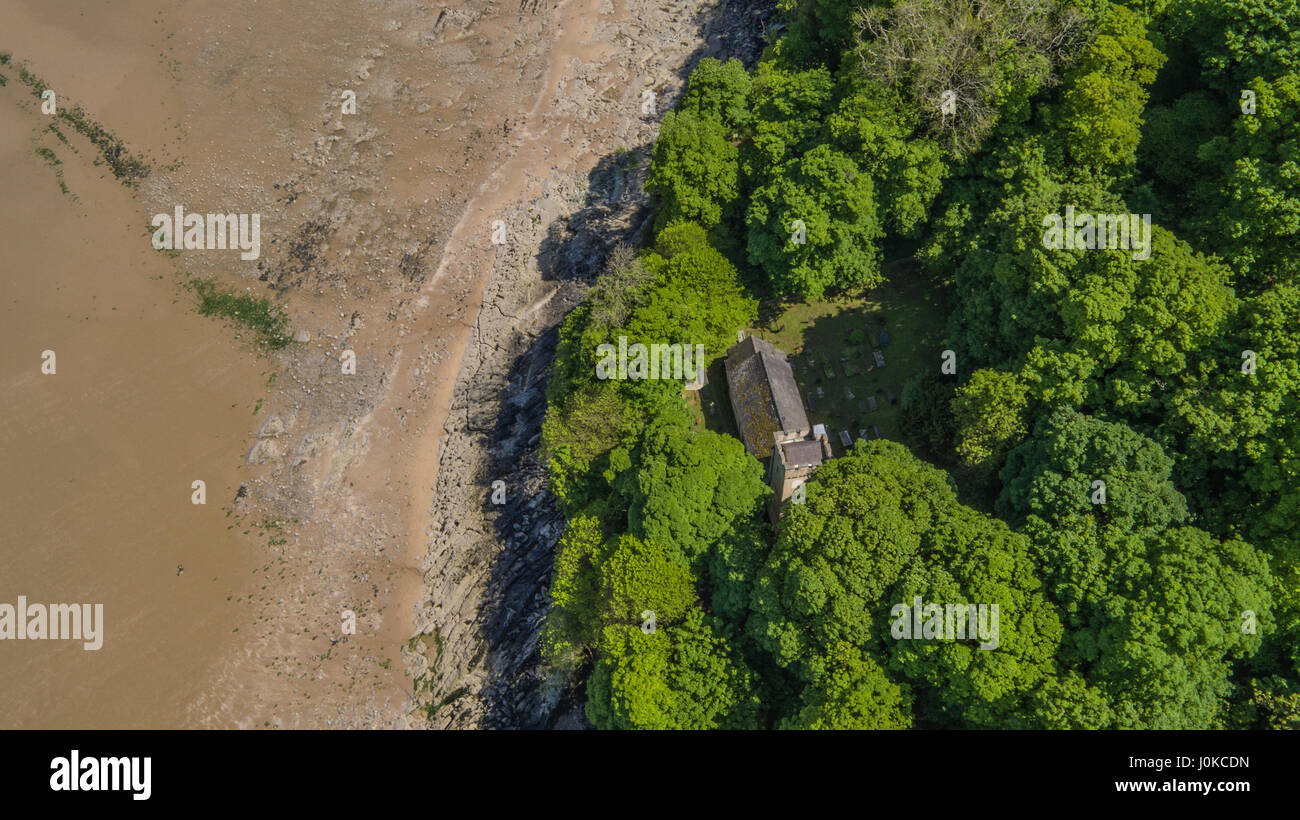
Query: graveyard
[852, 354]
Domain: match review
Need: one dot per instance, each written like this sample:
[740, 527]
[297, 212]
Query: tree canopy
[1103, 496]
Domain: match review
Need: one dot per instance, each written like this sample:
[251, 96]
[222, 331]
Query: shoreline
[371, 489]
[487, 569]
[493, 196]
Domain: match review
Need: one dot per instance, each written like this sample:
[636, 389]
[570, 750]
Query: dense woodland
[1073, 366]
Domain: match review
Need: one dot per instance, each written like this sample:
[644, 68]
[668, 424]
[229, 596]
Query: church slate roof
[764, 395]
[806, 453]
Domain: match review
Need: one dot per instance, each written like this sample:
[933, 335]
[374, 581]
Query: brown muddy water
[375, 231]
[237, 107]
[99, 456]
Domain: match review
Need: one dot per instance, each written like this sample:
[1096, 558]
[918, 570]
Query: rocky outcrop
[474, 658]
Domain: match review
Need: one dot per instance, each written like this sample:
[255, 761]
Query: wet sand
[375, 235]
[237, 104]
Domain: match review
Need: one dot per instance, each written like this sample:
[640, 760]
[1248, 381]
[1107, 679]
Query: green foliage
[1101, 109]
[694, 169]
[1173, 135]
[682, 677]
[578, 434]
[689, 296]
[1097, 329]
[695, 298]
[719, 91]
[1274, 704]
[839, 552]
[880, 528]
[872, 128]
[1252, 212]
[1162, 653]
[576, 592]
[833, 199]
[690, 488]
[970, 558]
[619, 291]
[1241, 40]
[733, 564]
[1052, 475]
[1127, 367]
[679, 491]
[1068, 702]
[268, 321]
[989, 414]
[854, 693]
[679, 238]
[789, 109]
[993, 57]
[927, 421]
[1240, 439]
[640, 576]
[1153, 608]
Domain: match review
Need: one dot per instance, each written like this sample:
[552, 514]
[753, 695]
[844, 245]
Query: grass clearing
[711, 406]
[831, 346]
